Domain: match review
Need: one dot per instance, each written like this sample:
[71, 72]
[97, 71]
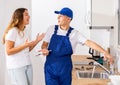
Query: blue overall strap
[56, 28]
[69, 31]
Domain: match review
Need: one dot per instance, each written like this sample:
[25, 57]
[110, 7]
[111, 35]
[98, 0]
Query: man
[59, 44]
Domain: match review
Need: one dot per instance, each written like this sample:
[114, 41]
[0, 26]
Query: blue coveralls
[58, 65]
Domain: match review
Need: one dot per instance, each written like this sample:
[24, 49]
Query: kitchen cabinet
[102, 22]
[102, 12]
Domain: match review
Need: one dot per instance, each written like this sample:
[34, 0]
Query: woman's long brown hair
[16, 21]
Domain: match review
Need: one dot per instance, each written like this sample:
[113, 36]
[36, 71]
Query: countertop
[85, 81]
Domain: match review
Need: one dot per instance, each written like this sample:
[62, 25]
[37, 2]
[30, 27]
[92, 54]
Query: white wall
[6, 10]
[2, 58]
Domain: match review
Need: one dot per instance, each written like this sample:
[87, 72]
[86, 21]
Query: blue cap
[65, 11]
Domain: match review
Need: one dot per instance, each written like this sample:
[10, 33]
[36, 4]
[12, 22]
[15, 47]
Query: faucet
[110, 72]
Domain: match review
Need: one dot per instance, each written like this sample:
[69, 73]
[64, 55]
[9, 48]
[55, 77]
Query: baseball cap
[65, 11]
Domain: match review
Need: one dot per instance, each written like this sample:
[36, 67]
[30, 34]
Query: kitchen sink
[96, 70]
[88, 74]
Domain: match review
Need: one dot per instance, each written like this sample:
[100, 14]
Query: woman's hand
[32, 44]
[29, 43]
[40, 37]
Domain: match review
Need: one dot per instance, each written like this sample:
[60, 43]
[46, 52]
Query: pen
[40, 53]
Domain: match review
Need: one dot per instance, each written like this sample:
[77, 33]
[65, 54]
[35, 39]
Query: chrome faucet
[110, 72]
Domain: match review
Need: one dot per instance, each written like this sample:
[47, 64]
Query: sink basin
[89, 74]
[94, 70]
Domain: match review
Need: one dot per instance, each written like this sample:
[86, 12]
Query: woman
[18, 46]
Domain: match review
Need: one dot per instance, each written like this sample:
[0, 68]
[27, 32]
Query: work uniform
[58, 65]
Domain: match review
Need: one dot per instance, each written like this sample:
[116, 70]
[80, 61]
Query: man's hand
[109, 57]
[44, 51]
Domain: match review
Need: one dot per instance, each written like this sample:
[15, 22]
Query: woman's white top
[75, 36]
[21, 58]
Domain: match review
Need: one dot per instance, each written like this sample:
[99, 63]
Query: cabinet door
[102, 12]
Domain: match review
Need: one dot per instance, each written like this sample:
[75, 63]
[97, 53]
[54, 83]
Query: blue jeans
[21, 76]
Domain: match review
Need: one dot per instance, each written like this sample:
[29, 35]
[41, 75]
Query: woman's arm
[37, 40]
[10, 49]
